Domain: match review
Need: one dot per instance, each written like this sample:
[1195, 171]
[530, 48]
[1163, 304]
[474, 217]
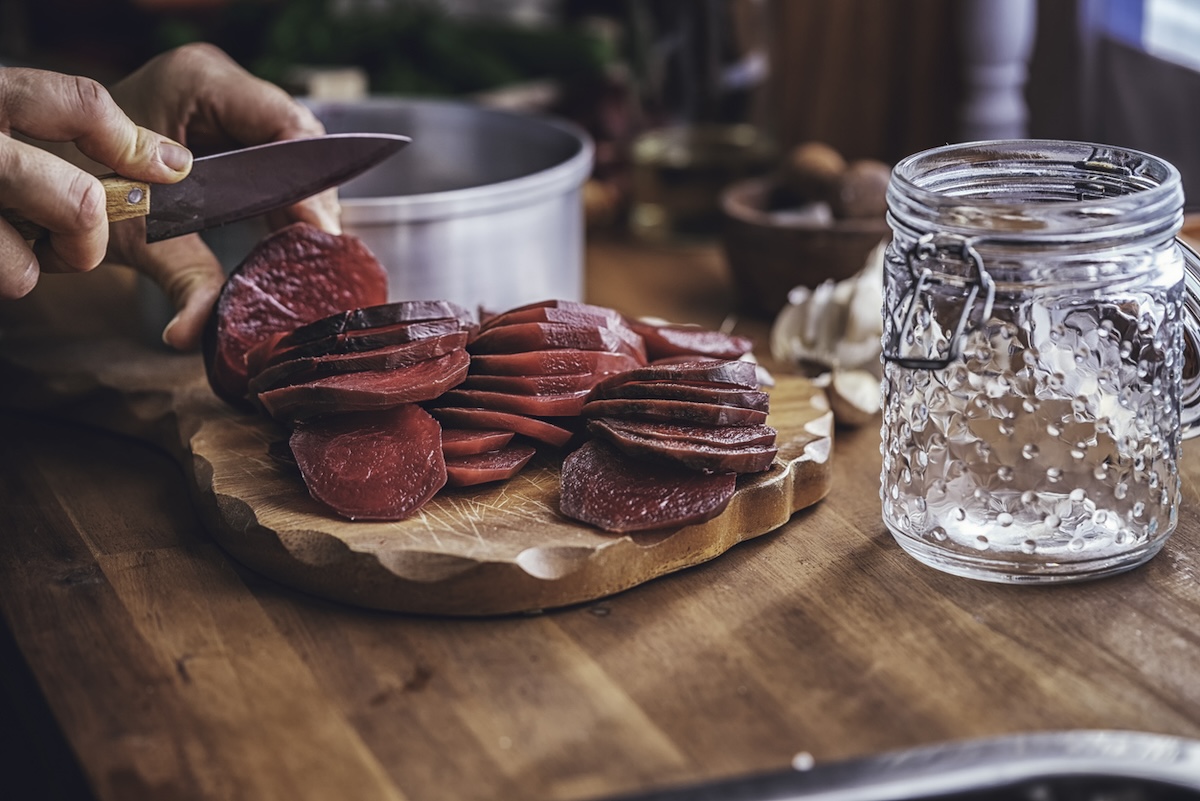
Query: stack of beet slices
[349, 385]
[302, 332]
[362, 360]
[669, 442]
[532, 367]
[294, 276]
[388, 403]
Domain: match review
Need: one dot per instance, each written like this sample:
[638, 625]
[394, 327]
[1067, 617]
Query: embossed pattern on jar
[1041, 443]
[1054, 438]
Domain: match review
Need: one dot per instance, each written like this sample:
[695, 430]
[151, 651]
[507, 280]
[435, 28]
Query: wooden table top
[170, 671]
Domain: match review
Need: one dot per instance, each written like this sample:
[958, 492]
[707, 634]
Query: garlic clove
[853, 396]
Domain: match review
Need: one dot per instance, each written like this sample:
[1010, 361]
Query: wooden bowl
[768, 255]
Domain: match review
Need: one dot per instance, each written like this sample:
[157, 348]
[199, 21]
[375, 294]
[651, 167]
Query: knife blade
[230, 186]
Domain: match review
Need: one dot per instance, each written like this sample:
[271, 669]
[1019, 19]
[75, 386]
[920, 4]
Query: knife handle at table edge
[122, 202]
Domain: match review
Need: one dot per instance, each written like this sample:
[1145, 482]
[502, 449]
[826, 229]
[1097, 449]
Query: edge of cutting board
[490, 550]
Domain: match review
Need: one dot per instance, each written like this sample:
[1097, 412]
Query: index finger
[63, 108]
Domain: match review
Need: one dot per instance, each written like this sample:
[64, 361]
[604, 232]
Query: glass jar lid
[1037, 191]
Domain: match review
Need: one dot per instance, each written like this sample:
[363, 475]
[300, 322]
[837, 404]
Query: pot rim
[525, 190]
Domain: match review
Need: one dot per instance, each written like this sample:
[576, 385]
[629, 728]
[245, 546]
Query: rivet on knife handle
[124, 200]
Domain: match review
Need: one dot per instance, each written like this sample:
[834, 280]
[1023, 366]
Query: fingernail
[176, 157]
[166, 334]
[28, 279]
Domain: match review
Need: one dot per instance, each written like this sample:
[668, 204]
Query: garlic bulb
[836, 326]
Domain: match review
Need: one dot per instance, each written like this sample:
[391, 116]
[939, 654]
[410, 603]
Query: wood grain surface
[494, 549]
[173, 672]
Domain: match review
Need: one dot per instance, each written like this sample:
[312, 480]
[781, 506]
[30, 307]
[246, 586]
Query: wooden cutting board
[485, 550]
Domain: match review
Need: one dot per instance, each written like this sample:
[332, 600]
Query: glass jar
[1035, 365]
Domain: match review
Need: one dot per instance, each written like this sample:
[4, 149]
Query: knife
[237, 184]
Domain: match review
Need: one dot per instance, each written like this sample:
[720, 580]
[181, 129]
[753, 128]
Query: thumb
[130, 149]
[60, 108]
[191, 277]
[139, 153]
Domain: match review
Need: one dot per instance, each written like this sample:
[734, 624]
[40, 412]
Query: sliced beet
[482, 468]
[617, 493]
[665, 341]
[524, 337]
[470, 441]
[532, 384]
[554, 303]
[730, 371]
[688, 359]
[294, 276]
[698, 392]
[539, 430]
[581, 315]
[560, 361]
[675, 411]
[367, 390]
[737, 459]
[561, 405]
[257, 357]
[296, 371]
[372, 466]
[385, 314]
[357, 341]
[710, 436]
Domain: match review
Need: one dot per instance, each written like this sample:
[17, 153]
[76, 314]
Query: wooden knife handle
[124, 200]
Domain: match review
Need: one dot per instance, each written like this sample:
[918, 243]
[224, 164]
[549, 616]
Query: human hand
[201, 97]
[59, 196]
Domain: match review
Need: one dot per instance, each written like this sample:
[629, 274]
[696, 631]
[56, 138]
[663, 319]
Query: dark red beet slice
[256, 358]
[481, 468]
[372, 466]
[470, 441]
[294, 276]
[738, 459]
[588, 316]
[688, 359]
[404, 311]
[554, 303]
[675, 411]
[368, 390]
[725, 394]
[355, 341]
[665, 341]
[737, 372]
[605, 488]
[562, 405]
[561, 361]
[711, 436]
[532, 384]
[532, 427]
[524, 337]
[311, 368]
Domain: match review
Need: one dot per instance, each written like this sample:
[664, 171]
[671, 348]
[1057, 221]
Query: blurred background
[874, 79]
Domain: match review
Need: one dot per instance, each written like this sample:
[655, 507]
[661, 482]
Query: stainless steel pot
[483, 208]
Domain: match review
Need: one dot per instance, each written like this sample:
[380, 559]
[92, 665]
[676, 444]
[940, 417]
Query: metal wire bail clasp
[916, 338]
